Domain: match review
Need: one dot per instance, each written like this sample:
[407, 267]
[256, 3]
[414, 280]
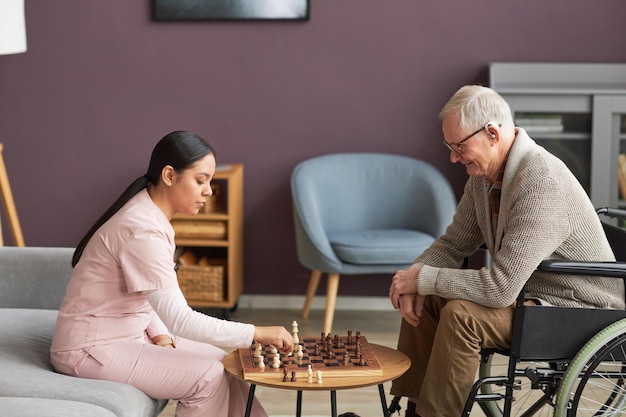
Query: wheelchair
[562, 361]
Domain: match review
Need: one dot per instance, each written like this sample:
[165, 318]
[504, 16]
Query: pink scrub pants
[192, 373]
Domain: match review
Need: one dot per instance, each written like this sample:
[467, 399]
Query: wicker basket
[203, 283]
[207, 229]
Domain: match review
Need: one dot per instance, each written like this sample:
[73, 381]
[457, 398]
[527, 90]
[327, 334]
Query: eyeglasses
[458, 146]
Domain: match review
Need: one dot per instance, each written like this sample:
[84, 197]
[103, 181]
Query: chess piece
[285, 377]
[293, 376]
[294, 330]
[261, 363]
[273, 349]
[257, 349]
[361, 360]
[309, 379]
[319, 377]
[309, 370]
[276, 362]
[299, 353]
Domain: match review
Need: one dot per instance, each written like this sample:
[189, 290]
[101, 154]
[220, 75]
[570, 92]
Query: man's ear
[168, 175]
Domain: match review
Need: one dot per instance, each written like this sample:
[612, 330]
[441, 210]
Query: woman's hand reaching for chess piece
[274, 335]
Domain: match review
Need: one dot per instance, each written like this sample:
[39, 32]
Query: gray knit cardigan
[544, 214]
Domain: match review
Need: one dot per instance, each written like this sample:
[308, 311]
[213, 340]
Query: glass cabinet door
[562, 125]
[565, 98]
[608, 179]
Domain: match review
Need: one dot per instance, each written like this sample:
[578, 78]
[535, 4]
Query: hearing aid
[487, 126]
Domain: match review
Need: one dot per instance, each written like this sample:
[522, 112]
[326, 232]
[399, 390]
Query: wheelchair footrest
[475, 396]
[488, 397]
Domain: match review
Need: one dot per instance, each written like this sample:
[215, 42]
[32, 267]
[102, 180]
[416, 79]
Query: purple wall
[101, 83]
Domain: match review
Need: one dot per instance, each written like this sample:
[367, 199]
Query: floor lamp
[12, 41]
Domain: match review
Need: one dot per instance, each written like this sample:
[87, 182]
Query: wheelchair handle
[612, 212]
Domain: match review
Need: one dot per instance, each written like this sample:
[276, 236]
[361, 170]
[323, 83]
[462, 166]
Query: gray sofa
[32, 285]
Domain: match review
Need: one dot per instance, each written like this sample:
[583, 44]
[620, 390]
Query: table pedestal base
[333, 402]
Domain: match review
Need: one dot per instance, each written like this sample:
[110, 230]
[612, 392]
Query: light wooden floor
[379, 327]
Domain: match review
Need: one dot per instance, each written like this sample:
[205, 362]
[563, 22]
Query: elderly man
[526, 206]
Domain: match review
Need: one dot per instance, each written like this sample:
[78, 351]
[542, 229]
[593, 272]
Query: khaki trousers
[445, 351]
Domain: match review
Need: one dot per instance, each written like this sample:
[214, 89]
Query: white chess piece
[299, 353]
[319, 377]
[294, 331]
[309, 370]
[257, 350]
[276, 362]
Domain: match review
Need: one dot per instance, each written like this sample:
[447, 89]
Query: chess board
[331, 361]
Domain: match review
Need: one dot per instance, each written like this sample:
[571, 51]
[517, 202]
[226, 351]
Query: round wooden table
[392, 362]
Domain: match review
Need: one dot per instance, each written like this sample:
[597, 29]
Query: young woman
[124, 317]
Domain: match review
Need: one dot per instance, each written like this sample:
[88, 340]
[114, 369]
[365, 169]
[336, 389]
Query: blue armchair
[365, 213]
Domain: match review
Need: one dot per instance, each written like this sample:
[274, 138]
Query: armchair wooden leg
[331, 300]
[310, 292]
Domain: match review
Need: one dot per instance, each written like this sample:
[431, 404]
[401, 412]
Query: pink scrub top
[132, 252]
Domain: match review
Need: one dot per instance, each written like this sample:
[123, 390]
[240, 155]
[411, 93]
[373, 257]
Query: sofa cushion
[38, 407]
[27, 372]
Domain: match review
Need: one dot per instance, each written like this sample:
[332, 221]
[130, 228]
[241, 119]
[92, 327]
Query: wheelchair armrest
[605, 269]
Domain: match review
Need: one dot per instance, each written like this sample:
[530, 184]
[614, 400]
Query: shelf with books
[540, 122]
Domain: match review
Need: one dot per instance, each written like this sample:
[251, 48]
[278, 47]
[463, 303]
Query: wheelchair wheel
[530, 398]
[594, 384]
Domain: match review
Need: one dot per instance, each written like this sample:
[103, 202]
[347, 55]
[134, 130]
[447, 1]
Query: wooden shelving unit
[215, 238]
